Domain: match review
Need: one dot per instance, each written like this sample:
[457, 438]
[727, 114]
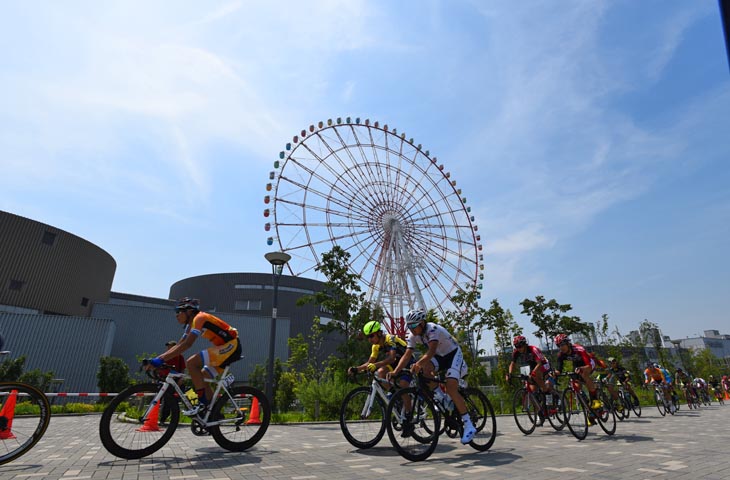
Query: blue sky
[591, 138]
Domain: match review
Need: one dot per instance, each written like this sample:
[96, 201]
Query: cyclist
[391, 345]
[684, 379]
[655, 376]
[701, 387]
[670, 382]
[226, 348]
[446, 351]
[714, 384]
[525, 353]
[725, 384]
[583, 364]
[615, 373]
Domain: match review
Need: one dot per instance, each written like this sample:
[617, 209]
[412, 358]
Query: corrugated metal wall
[68, 346]
[144, 331]
[49, 269]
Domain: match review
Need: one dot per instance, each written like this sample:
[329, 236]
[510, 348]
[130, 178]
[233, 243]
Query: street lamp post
[277, 261]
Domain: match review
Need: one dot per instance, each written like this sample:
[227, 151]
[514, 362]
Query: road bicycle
[531, 406]
[24, 417]
[577, 409]
[662, 404]
[690, 396]
[237, 418]
[362, 414]
[604, 395]
[629, 399]
[415, 436]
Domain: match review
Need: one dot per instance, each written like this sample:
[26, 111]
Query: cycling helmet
[415, 316]
[656, 365]
[650, 365]
[371, 327]
[562, 338]
[724, 377]
[519, 341]
[187, 303]
[679, 369]
[611, 359]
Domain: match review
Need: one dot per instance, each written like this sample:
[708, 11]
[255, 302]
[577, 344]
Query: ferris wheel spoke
[365, 161]
[324, 196]
[359, 183]
[316, 208]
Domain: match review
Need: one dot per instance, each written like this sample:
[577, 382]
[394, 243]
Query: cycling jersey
[433, 333]
[666, 374]
[577, 355]
[654, 375]
[212, 328]
[699, 382]
[392, 343]
[532, 356]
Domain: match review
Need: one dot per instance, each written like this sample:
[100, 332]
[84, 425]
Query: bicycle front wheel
[635, 405]
[659, 400]
[413, 424]
[575, 413]
[524, 409]
[362, 417]
[24, 417]
[482, 417]
[239, 420]
[130, 426]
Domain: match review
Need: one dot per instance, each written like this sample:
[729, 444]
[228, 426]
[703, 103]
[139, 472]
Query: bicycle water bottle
[228, 381]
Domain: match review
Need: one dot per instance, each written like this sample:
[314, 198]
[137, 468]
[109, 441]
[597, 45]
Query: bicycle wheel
[361, 425]
[607, 419]
[129, 425]
[482, 416]
[575, 413]
[524, 409]
[555, 412]
[659, 400]
[24, 417]
[635, 405]
[241, 419]
[414, 436]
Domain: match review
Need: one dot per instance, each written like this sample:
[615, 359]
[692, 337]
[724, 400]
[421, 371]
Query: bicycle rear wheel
[24, 417]
[414, 435]
[635, 405]
[607, 419]
[129, 425]
[241, 419]
[482, 416]
[555, 412]
[362, 427]
[524, 409]
[575, 413]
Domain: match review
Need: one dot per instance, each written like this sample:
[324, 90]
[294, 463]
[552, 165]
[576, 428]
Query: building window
[247, 305]
[16, 285]
[84, 302]
[49, 238]
[248, 287]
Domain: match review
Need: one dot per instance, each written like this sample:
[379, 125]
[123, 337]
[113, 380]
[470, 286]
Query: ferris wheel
[384, 199]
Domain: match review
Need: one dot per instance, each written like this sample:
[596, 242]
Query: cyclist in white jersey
[445, 350]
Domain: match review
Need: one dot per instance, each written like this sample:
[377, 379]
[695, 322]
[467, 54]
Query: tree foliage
[550, 319]
[504, 327]
[112, 375]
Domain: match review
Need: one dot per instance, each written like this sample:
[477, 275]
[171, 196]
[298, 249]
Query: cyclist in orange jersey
[226, 348]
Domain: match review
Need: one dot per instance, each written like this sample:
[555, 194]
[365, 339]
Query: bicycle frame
[377, 390]
[171, 381]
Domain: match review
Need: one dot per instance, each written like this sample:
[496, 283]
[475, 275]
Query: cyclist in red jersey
[583, 364]
[226, 348]
[532, 356]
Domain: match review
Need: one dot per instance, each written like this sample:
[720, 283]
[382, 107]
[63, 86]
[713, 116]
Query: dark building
[47, 270]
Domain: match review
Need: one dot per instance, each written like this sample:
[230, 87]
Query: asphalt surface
[690, 445]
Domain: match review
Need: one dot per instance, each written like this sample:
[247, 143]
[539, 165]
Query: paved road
[688, 446]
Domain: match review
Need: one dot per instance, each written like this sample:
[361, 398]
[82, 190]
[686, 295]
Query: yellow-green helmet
[371, 327]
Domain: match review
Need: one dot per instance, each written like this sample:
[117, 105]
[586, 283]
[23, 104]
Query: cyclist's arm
[403, 360]
[426, 357]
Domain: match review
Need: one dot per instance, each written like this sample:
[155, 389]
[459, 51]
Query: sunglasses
[372, 335]
[179, 310]
[411, 326]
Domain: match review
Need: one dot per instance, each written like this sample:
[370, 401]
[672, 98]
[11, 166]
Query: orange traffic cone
[6, 416]
[150, 425]
[727, 397]
[255, 417]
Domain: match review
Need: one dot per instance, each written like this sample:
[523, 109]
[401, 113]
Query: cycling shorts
[453, 364]
[219, 357]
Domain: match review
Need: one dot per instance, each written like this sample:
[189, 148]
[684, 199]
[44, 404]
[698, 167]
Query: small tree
[113, 375]
[547, 316]
[504, 327]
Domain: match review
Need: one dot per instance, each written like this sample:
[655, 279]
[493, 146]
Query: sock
[201, 396]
